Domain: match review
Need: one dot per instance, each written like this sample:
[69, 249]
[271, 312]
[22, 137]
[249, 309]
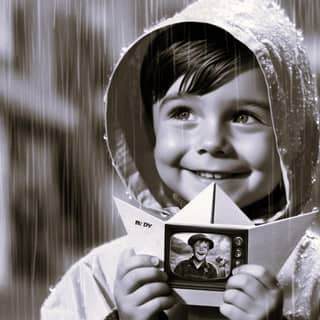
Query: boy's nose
[213, 140]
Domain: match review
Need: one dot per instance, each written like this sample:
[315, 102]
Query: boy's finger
[247, 284]
[159, 304]
[260, 273]
[150, 291]
[129, 261]
[232, 312]
[140, 276]
[125, 256]
[238, 299]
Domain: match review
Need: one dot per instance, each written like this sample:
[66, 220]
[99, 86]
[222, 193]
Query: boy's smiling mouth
[219, 175]
[200, 256]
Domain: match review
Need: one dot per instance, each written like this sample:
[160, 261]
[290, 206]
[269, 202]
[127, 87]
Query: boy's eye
[182, 114]
[245, 118]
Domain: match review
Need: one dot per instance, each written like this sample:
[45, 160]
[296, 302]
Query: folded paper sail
[268, 245]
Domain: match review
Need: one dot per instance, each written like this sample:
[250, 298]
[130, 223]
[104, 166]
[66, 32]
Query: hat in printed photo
[200, 236]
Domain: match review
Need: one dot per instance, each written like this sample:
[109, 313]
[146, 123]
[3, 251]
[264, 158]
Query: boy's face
[200, 250]
[224, 136]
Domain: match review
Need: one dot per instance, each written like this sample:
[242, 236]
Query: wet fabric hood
[261, 26]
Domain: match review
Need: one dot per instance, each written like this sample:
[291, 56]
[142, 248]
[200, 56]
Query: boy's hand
[252, 294]
[140, 289]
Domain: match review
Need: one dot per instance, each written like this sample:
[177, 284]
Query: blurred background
[56, 180]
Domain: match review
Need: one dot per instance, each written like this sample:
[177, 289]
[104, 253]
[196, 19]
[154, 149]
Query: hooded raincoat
[86, 290]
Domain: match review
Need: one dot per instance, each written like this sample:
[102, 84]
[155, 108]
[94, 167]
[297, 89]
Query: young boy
[222, 92]
[209, 107]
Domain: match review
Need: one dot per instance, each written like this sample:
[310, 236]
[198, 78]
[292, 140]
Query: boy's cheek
[170, 146]
[262, 146]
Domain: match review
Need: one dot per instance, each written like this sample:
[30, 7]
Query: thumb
[125, 256]
[127, 253]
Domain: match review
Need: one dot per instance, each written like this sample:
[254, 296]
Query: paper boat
[212, 210]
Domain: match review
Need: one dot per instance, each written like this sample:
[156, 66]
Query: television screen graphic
[200, 256]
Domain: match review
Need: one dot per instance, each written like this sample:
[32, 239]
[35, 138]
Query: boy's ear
[210, 206]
